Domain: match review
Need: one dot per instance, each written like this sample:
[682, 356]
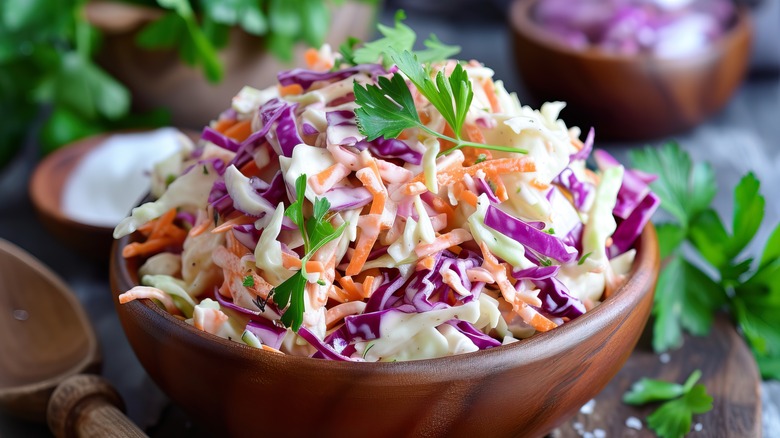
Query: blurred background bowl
[629, 97]
[50, 177]
[46, 191]
[525, 388]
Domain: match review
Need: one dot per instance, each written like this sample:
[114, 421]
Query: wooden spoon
[46, 340]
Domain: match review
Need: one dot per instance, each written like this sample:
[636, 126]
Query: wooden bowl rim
[524, 26]
[539, 347]
[93, 357]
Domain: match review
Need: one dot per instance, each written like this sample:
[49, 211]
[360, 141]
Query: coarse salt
[698, 427]
[112, 178]
[599, 433]
[588, 407]
[664, 358]
[634, 423]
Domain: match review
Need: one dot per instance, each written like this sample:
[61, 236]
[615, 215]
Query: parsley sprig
[717, 277]
[316, 232]
[398, 38]
[673, 418]
[386, 109]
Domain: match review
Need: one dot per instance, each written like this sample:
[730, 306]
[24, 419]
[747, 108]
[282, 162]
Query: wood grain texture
[628, 97]
[728, 371]
[44, 333]
[87, 406]
[522, 389]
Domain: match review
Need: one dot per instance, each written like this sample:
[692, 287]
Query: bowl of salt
[82, 190]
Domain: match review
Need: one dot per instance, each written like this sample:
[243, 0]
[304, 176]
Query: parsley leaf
[673, 418]
[317, 231]
[398, 39]
[686, 297]
[249, 281]
[386, 109]
[685, 189]
[748, 213]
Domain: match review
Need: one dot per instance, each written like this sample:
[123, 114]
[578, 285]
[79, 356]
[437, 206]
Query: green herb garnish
[316, 232]
[386, 109]
[396, 39]
[688, 296]
[583, 258]
[249, 281]
[673, 418]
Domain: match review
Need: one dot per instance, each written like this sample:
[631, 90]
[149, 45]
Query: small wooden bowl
[46, 189]
[521, 389]
[44, 333]
[629, 97]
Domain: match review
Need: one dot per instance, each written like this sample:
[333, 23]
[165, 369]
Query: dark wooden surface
[728, 371]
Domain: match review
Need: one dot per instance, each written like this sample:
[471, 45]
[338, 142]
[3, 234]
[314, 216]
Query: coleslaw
[389, 249]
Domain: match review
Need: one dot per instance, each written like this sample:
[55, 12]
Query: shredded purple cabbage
[219, 139]
[536, 240]
[267, 332]
[305, 78]
[556, 300]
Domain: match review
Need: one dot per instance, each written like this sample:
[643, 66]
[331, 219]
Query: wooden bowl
[522, 389]
[46, 189]
[627, 97]
[44, 333]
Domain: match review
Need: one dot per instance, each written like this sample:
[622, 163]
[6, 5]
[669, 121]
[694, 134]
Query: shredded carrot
[250, 169]
[445, 145]
[271, 349]
[325, 180]
[539, 185]
[490, 91]
[368, 284]
[498, 166]
[240, 131]
[140, 292]
[500, 187]
[290, 90]
[368, 235]
[312, 57]
[463, 194]
[202, 225]
[444, 241]
[425, 263]
[230, 223]
[338, 312]
[350, 288]
[442, 207]
[223, 124]
[162, 232]
[289, 261]
[148, 247]
[473, 154]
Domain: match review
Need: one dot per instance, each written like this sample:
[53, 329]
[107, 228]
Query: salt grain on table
[698, 427]
[588, 407]
[664, 357]
[634, 423]
[599, 433]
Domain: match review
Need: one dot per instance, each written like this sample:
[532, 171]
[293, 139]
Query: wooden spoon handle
[87, 405]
